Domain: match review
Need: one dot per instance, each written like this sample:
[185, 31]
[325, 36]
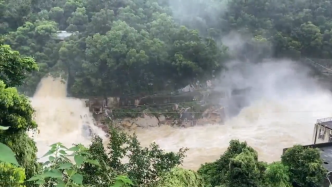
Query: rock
[214, 115]
[86, 131]
[143, 122]
[167, 122]
[147, 121]
[133, 127]
[105, 128]
[126, 124]
[186, 124]
[162, 120]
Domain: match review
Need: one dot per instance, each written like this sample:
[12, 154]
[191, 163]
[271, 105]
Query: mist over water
[284, 105]
[60, 119]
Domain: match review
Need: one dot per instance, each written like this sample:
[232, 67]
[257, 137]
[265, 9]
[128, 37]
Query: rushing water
[279, 118]
[267, 126]
[285, 102]
[59, 118]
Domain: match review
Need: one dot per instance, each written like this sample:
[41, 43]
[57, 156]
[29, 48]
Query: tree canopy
[130, 47]
[239, 166]
[16, 114]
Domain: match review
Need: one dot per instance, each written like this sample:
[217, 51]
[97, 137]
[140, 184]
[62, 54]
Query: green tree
[226, 168]
[305, 166]
[181, 178]
[165, 53]
[277, 175]
[11, 175]
[245, 170]
[144, 166]
[38, 39]
[13, 14]
[239, 166]
[14, 67]
[59, 170]
[17, 113]
[145, 49]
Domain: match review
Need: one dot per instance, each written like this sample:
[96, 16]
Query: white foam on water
[59, 118]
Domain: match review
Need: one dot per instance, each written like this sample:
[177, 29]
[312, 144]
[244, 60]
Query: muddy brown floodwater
[267, 125]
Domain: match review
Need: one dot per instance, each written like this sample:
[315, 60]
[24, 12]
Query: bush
[305, 166]
[181, 178]
[11, 175]
[239, 167]
[144, 166]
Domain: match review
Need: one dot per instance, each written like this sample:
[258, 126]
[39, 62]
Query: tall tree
[16, 111]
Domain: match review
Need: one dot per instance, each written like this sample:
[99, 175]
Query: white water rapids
[269, 124]
[60, 119]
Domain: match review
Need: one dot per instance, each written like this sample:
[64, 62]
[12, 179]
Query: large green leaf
[40, 182]
[7, 155]
[93, 162]
[117, 184]
[75, 148]
[51, 158]
[50, 152]
[70, 172]
[124, 179]
[35, 178]
[54, 173]
[121, 180]
[63, 152]
[79, 159]
[65, 166]
[62, 146]
[60, 183]
[77, 178]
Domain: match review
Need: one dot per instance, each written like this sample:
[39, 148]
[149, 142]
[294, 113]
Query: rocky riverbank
[148, 120]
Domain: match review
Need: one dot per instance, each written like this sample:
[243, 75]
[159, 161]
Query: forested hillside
[127, 47]
[138, 46]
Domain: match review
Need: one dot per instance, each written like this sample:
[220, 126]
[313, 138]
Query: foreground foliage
[16, 113]
[239, 166]
[94, 166]
[144, 165]
[59, 170]
[10, 173]
[181, 178]
[14, 67]
[305, 166]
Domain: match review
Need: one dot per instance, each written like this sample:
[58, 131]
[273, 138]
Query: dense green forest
[129, 47]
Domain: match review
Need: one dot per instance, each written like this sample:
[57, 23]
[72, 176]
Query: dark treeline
[127, 47]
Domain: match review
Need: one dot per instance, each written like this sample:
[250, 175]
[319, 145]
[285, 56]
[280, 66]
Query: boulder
[147, 121]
